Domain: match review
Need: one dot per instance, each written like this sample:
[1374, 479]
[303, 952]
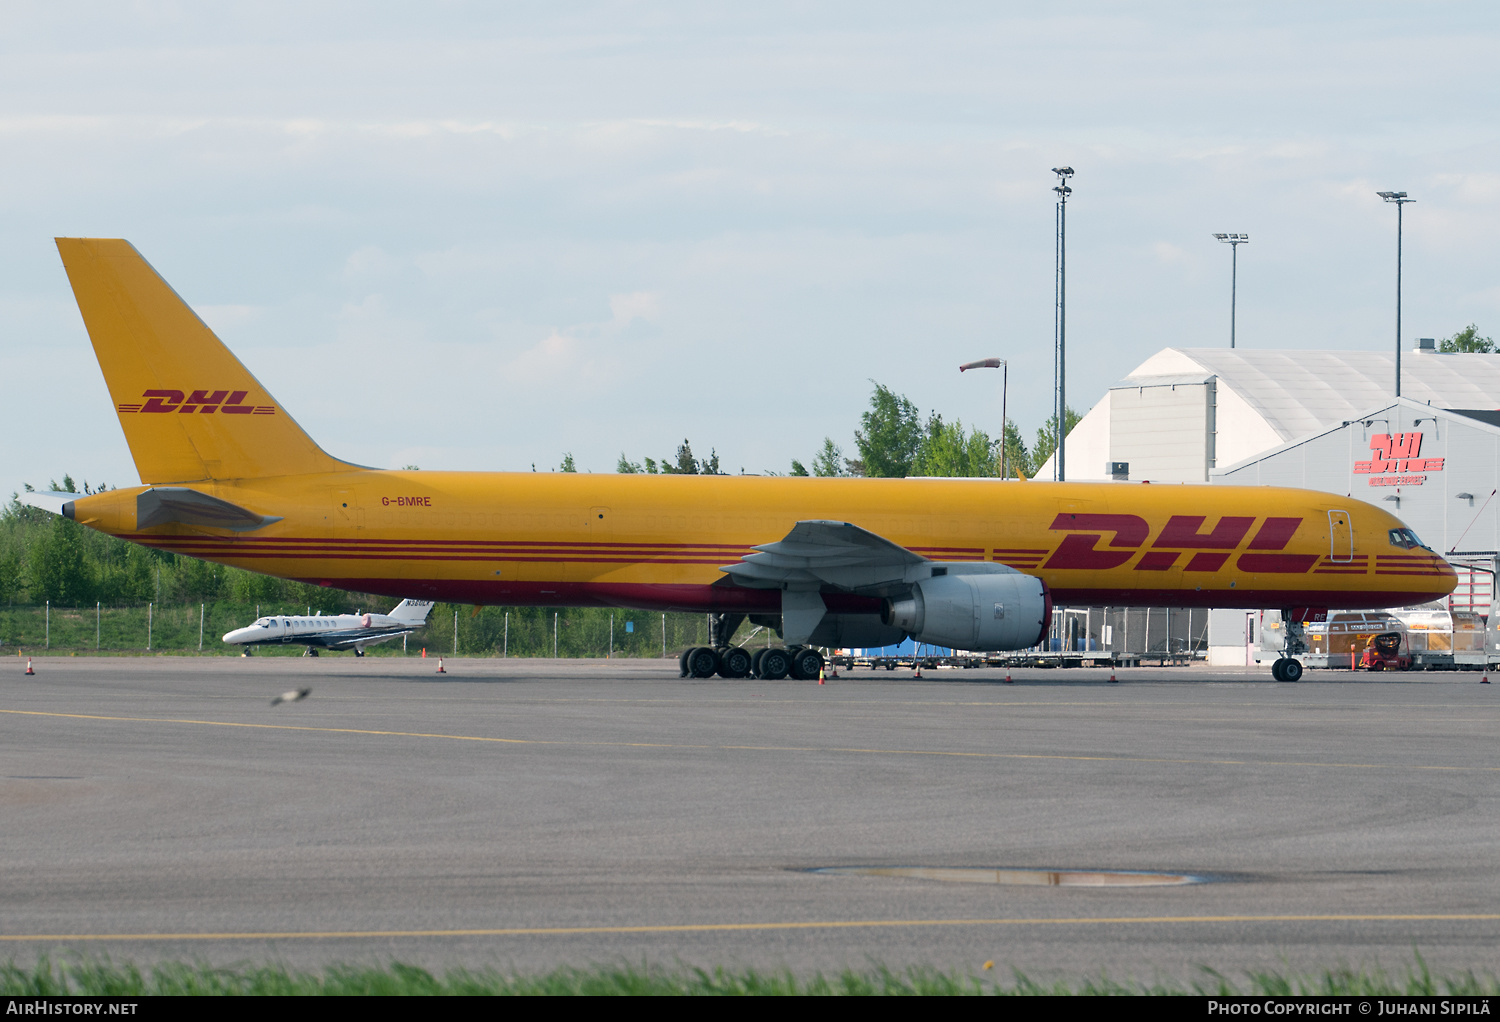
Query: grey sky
[478, 239]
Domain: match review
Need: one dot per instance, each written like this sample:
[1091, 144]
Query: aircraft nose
[238, 635]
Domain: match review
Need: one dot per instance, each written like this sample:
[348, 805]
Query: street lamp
[1060, 321]
[1234, 241]
[996, 363]
[1400, 199]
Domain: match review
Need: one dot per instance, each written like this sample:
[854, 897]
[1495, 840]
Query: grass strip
[101, 977]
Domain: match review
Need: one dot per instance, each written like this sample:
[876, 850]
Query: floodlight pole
[1234, 241]
[1060, 347]
[1004, 367]
[1400, 199]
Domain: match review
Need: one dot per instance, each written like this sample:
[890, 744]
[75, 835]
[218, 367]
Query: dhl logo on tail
[207, 402]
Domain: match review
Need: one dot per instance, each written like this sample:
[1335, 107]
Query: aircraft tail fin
[190, 410]
[414, 611]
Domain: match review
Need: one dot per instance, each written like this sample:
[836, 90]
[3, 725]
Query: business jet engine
[977, 612]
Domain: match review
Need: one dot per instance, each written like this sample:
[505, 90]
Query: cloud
[1167, 252]
[627, 308]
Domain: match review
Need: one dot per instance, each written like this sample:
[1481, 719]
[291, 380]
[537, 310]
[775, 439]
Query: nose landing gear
[1287, 667]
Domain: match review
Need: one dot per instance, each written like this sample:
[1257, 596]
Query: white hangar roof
[1185, 411]
[1297, 392]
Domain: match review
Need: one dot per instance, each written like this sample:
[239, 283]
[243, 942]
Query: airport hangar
[1325, 420]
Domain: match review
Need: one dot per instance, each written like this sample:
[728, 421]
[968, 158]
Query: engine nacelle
[979, 612]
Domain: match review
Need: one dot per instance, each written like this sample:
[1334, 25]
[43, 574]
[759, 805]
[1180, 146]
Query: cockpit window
[264, 622]
[1406, 539]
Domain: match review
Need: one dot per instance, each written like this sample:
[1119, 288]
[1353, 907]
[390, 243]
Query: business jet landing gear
[1287, 667]
[311, 651]
[358, 651]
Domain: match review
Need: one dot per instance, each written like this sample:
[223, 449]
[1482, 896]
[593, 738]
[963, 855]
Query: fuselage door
[348, 511]
[1340, 536]
[601, 531]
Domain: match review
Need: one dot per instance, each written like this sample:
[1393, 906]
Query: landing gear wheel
[359, 652]
[311, 652]
[755, 662]
[682, 659]
[775, 663]
[734, 663]
[806, 663]
[702, 662]
[1291, 670]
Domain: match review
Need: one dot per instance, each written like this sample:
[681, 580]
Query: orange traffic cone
[1112, 680]
[1007, 678]
[440, 666]
[424, 652]
[28, 666]
[917, 667]
[1483, 681]
[820, 675]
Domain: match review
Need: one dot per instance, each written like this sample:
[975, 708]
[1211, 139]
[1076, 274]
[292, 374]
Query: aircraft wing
[823, 553]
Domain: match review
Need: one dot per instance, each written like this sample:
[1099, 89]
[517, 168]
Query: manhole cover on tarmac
[1024, 877]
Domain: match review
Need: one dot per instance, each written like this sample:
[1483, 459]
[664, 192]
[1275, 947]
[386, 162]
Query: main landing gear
[771, 663]
[1287, 667]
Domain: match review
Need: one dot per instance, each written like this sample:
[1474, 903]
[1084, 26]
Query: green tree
[1046, 439]
[12, 580]
[827, 462]
[1017, 458]
[891, 436]
[568, 464]
[1467, 340]
[798, 469]
[60, 569]
[686, 465]
[948, 451]
[197, 580]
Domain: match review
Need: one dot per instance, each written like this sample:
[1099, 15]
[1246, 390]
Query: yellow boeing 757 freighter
[228, 476]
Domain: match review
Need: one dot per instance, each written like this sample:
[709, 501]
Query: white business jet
[333, 631]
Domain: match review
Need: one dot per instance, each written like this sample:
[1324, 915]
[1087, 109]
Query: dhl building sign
[1396, 460]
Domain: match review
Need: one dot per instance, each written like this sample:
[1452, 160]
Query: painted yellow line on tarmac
[841, 750]
[851, 924]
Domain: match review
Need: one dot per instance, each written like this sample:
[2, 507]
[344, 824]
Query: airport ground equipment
[1385, 652]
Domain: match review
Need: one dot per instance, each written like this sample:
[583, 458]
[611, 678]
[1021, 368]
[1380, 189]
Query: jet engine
[976, 612]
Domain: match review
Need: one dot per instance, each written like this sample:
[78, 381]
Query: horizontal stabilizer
[48, 500]
[162, 504]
